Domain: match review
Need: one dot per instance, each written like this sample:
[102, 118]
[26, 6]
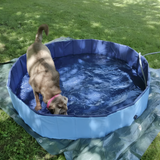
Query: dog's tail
[39, 32]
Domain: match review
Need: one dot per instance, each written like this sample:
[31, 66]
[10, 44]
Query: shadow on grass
[133, 23]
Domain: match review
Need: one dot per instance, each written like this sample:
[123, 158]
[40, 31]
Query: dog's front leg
[38, 104]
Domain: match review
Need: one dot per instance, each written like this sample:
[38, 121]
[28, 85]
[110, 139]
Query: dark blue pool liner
[72, 126]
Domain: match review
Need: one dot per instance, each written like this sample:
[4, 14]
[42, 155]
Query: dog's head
[59, 105]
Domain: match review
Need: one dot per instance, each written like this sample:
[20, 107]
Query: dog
[44, 78]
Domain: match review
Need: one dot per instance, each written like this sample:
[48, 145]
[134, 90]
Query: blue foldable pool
[106, 86]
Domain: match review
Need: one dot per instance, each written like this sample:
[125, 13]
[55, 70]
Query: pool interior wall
[55, 126]
[94, 84]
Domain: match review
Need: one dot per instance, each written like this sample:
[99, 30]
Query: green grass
[153, 152]
[134, 23]
[131, 22]
[17, 144]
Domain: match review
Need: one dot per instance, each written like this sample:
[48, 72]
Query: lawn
[134, 23]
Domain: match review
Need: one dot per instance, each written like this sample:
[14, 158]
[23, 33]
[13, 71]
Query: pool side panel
[78, 127]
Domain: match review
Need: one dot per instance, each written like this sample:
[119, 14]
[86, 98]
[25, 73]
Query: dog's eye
[59, 106]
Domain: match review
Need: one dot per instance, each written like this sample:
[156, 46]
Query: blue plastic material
[92, 123]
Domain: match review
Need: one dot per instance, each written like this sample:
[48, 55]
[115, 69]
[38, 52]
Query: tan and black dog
[44, 77]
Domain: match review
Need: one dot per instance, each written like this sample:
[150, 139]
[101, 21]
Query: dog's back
[40, 65]
[38, 52]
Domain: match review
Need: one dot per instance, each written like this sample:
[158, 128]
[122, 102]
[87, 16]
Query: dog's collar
[52, 99]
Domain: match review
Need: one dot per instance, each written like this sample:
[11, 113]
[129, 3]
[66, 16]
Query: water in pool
[94, 84]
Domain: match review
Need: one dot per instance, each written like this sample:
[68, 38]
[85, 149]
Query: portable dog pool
[106, 86]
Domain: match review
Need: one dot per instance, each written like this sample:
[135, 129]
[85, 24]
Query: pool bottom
[94, 84]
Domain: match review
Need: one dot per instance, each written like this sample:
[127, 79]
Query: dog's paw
[37, 108]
